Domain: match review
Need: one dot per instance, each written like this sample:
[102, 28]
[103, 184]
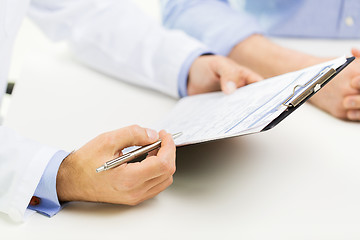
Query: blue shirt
[307, 18]
[221, 24]
[213, 22]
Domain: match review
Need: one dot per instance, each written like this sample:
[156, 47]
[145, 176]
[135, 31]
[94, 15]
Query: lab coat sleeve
[117, 38]
[22, 163]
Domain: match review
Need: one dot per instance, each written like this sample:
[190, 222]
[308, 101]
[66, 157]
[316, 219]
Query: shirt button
[34, 201]
[349, 21]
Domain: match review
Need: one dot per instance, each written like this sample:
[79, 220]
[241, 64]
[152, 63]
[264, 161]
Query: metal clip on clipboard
[313, 88]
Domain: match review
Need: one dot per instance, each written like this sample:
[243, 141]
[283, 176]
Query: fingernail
[152, 134]
[231, 87]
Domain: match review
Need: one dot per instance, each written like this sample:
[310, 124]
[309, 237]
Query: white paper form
[216, 115]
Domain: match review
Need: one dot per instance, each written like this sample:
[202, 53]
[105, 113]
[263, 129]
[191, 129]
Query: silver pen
[132, 155]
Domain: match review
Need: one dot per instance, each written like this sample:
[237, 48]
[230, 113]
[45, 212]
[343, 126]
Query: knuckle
[239, 70]
[134, 199]
[339, 112]
[172, 169]
[134, 126]
[135, 129]
[108, 139]
[165, 166]
[170, 181]
[242, 73]
[345, 89]
[103, 136]
[132, 203]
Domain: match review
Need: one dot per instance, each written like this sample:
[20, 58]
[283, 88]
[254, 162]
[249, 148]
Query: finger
[155, 181]
[355, 83]
[130, 136]
[232, 80]
[161, 164]
[353, 115]
[352, 102]
[355, 52]
[158, 188]
[167, 151]
[154, 191]
[233, 76]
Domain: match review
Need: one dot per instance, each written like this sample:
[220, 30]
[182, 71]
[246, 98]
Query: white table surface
[300, 180]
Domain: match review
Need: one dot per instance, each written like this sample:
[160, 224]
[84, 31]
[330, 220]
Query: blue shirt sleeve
[307, 18]
[290, 18]
[213, 22]
[315, 19]
[46, 190]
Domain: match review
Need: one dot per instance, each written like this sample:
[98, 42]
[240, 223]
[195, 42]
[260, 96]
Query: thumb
[233, 76]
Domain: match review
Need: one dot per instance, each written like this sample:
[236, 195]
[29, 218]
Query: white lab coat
[112, 36]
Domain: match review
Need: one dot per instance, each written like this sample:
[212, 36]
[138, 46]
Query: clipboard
[199, 117]
[312, 89]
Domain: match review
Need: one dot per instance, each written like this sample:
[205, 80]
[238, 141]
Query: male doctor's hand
[213, 73]
[129, 183]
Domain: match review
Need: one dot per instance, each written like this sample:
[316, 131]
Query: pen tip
[100, 169]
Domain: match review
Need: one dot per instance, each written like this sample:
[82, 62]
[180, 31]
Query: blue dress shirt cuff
[185, 69]
[46, 190]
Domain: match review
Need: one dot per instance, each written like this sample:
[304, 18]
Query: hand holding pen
[129, 183]
[133, 155]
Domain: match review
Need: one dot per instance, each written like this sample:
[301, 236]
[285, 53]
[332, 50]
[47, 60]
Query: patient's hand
[213, 73]
[341, 96]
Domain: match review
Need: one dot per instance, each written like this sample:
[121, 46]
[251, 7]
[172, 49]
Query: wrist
[185, 71]
[65, 186]
[269, 59]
